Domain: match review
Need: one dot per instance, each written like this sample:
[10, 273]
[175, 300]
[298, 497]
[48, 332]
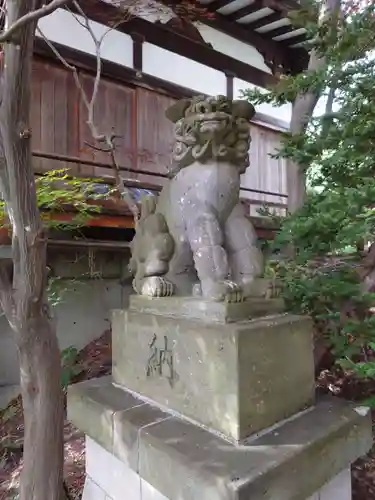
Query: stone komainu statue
[194, 238]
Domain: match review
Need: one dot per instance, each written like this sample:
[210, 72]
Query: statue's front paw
[222, 291]
[156, 286]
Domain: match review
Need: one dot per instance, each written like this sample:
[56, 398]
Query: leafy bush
[333, 295]
[332, 275]
[325, 278]
[59, 191]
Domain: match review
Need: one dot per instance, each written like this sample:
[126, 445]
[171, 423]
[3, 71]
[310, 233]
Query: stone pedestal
[137, 451]
[209, 401]
[210, 363]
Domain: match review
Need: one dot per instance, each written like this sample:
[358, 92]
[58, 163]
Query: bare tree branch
[98, 43]
[68, 66]
[31, 16]
[107, 140]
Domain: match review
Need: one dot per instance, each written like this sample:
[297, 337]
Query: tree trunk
[24, 299]
[42, 475]
[303, 108]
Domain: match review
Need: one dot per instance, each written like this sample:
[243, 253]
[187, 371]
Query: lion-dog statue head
[211, 128]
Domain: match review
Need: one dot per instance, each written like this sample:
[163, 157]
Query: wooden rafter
[271, 50]
[281, 10]
[282, 30]
[246, 11]
[294, 40]
[222, 23]
[276, 54]
[284, 6]
[263, 21]
[168, 39]
[217, 4]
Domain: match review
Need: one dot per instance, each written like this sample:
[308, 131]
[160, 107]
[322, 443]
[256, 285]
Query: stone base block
[235, 378]
[152, 453]
[107, 478]
[205, 310]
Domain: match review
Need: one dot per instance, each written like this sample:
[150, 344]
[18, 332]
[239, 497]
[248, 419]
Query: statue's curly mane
[211, 128]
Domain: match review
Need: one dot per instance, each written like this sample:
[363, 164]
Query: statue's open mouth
[212, 121]
[209, 125]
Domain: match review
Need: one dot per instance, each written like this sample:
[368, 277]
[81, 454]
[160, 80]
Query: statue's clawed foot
[156, 286]
[219, 291]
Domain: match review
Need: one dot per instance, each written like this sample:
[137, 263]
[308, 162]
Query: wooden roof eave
[163, 36]
[293, 59]
[278, 55]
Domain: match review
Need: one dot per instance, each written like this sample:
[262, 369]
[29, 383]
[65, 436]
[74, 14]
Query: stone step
[182, 461]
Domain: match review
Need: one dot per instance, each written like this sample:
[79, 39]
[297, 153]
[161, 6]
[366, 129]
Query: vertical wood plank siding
[54, 113]
[136, 114]
[154, 134]
[265, 173]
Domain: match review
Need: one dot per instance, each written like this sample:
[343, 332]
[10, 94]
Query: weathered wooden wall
[59, 123]
[265, 173]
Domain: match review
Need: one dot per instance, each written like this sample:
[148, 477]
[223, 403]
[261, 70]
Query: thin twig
[97, 148]
[97, 43]
[67, 65]
[31, 16]
[124, 192]
[106, 140]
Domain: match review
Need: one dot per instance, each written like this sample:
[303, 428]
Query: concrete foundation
[115, 481]
[136, 450]
[88, 288]
[82, 316]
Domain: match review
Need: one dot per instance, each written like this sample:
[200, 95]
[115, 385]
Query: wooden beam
[230, 86]
[111, 70]
[114, 221]
[163, 37]
[122, 246]
[289, 59]
[266, 47]
[137, 51]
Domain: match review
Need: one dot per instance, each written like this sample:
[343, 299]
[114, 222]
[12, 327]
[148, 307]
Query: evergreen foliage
[332, 273]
